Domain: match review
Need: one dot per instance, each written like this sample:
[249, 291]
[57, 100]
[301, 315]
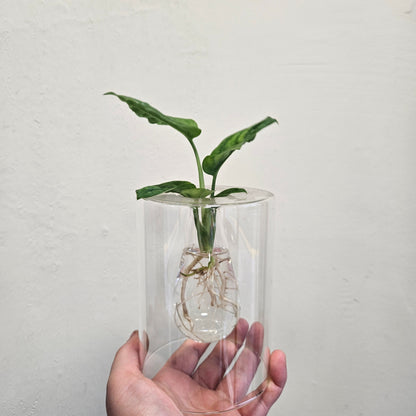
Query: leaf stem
[213, 183]
[198, 163]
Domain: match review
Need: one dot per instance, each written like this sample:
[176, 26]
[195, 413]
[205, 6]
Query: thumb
[130, 357]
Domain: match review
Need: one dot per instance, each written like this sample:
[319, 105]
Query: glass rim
[253, 195]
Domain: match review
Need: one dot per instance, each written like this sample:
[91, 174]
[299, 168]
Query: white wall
[340, 77]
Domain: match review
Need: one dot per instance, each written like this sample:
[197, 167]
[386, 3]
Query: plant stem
[198, 163]
[205, 226]
[205, 223]
[213, 183]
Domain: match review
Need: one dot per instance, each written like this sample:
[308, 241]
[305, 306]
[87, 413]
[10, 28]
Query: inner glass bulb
[206, 292]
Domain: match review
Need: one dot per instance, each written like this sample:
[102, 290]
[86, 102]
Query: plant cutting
[207, 304]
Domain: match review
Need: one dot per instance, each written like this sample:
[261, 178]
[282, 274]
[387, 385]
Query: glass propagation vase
[204, 313]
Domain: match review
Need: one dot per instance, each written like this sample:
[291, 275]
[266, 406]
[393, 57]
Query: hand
[130, 393]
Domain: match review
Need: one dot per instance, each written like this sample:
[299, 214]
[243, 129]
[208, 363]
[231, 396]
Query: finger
[237, 382]
[210, 372]
[278, 369]
[186, 357]
[274, 387]
[130, 357]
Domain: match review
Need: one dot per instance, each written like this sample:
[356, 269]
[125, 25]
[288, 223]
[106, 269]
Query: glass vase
[204, 297]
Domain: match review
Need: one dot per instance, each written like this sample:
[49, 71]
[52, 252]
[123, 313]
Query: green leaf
[195, 192]
[172, 186]
[229, 191]
[189, 128]
[213, 162]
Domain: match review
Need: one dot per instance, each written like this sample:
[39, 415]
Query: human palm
[207, 387]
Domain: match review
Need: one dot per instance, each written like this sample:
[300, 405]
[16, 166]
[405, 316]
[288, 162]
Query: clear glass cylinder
[204, 297]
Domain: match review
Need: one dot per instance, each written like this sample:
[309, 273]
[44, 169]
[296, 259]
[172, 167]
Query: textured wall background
[339, 76]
